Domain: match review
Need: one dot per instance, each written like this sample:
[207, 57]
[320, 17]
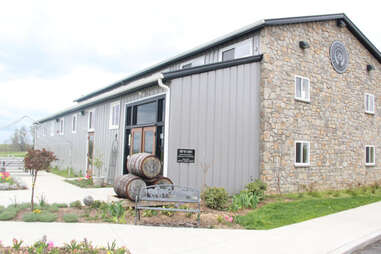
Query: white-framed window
[370, 155]
[91, 119]
[114, 115]
[237, 50]
[194, 62]
[52, 127]
[302, 88]
[74, 122]
[44, 130]
[302, 153]
[369, 103]
[61, 126]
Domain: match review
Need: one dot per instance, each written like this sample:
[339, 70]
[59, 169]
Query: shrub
[60, 205]
[47, 217]
[30, 217]
[53, 208]
[215, 198]
[149, 213]
[243, 200]
[257, 188]
[96, 204]
[70, 217]
[76, 204]
[8, 214]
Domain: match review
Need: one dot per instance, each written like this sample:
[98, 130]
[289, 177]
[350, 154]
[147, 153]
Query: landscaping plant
[70, 217]
[215, 198]
[244, 200]
[36, 160]
[257, 188]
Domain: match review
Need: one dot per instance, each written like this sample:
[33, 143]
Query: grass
[292, 208]
[70, 218]
[67, 173]
[42, 217]
[86, 183]
[12, 154]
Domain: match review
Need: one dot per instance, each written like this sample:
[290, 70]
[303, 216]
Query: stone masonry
[334, 121]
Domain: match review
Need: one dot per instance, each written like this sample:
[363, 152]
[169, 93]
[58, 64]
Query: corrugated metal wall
[216, 113]
[71, 148]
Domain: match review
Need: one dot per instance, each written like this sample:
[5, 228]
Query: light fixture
[370, 67]
[82, 112]
[340, 23]
[57, 120]
[303, 45]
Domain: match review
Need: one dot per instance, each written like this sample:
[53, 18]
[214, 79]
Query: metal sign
[339, 56]
[185, 155]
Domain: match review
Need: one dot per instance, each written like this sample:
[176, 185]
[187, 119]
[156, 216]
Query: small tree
[36, 160]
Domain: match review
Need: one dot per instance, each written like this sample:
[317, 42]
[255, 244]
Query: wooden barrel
[158, 180]
[144, 164]
[128, 186]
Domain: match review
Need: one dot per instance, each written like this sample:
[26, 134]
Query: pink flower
[228, 218]
[50, 245]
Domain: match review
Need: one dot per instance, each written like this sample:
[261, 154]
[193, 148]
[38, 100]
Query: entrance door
[90, 153]
[143, 140]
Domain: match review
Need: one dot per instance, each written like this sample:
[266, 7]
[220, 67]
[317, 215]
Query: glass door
[143, 140]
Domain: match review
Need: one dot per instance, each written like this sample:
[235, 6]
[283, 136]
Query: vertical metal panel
[216, 113]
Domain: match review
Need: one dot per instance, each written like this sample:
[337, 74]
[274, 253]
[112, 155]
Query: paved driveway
[53, 188]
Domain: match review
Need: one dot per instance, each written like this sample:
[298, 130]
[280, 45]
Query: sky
[52, 52]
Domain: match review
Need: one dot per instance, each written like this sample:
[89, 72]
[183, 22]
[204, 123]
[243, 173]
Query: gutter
[166, 122]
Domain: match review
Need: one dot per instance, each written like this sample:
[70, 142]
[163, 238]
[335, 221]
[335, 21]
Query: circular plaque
[339, 56]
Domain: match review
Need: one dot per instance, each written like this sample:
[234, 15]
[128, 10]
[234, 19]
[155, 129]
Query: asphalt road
[374, 248]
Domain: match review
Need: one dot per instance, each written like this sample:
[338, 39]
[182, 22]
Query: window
[44, 130]
[193, 63]
[302, 88]
[52, 128]
[237, 50]
[370, 155]
[302, 153]
[114, 115]
[61, 126]
[91, 120]
[74, 124]
[369, 103]
[145, 113]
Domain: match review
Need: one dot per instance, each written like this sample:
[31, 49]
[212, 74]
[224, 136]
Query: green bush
[8, 214]
[42, 217]
[30, 217]
[76, 204]
[70, 217]
[243, 200]
[60, 205]
[96, 204]
[215, 198]
[53, 209]
[257, 188]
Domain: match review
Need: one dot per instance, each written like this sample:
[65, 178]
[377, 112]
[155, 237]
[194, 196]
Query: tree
[20, 139]
[36, 160]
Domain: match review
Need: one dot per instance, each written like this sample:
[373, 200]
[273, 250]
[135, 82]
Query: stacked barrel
[144, 170]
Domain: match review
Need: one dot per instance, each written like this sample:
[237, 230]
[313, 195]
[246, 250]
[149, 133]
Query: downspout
[166, 122]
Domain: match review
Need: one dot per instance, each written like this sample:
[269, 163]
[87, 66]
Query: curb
[358, 244]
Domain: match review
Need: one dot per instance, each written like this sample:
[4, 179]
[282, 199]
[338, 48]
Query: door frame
[127, 129]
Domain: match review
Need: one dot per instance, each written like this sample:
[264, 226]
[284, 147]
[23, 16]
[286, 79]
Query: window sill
[370, 164]
[73, 132]
[113, 127]
[302, 165]
[90, 130]
[369, 113]
[302, 100]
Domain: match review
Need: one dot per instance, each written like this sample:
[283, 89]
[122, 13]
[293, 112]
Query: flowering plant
[5, 177]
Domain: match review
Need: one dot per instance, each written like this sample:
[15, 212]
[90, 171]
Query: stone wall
[333, 122]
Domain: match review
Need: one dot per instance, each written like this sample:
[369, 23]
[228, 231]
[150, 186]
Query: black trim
[210, 67]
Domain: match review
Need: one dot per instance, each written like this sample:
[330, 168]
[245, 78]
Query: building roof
[234, 35]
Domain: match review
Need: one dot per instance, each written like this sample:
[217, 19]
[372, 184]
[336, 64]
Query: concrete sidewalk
[331, 234]
[53, 188]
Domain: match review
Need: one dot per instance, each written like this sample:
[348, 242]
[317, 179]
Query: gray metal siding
[71, 148]
[216, 113]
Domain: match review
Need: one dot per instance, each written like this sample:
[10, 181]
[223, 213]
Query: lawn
[67, 173]
[12, 154]
[289, 209]
[86, 183]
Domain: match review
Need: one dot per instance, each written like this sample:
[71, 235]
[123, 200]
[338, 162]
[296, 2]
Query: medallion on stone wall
[339, 56]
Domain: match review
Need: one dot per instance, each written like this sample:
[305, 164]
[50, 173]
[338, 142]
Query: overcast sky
[51, 52]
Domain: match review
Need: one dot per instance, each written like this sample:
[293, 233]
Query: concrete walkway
[337, 233]
[53, 188]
